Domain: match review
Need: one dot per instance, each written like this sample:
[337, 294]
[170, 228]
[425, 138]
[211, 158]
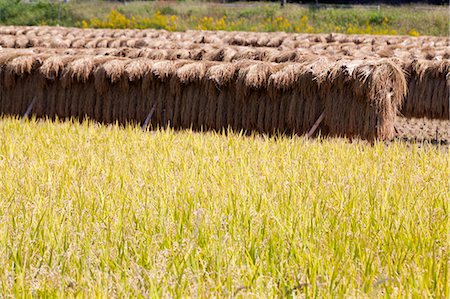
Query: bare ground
[423, 130]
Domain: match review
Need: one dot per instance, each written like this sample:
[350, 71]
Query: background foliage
[430, 20]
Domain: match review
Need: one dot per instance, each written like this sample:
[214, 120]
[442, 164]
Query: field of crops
[102, 211]
[224, 196]
[348, 85]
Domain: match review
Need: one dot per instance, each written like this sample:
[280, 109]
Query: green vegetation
[97, 211]
[247, 17]
[16, 12]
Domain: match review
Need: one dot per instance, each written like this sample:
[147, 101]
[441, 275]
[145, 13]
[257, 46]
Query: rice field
[148, 163]
[106, 211]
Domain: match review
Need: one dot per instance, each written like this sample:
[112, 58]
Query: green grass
[406, 19]
[94, 211]
[17, 12]
[433, 20]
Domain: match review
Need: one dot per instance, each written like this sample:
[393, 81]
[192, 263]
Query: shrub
[16, 12]
[116, 20]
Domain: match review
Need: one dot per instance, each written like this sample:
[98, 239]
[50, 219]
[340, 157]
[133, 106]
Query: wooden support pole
[316, 125]
[148, 118]
[30, 107]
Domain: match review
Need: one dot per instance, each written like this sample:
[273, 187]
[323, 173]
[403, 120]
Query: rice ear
[110, 72]
[163, 69]
[53, 67]
[79, 70]
[221, 74]
[136, 69]
[193, 72]
[255, 75]
[18, 67]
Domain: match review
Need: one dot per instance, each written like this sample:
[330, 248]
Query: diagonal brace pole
[30, 107]
[148, 118]
[316, 125]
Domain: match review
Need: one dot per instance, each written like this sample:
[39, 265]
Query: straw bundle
[274, 39]
[300, 103]
[252, 44]
[7, 42]
[252, 84]
[51, 71]
[140, 88]
[428, 90]
[166, 94]
[78, 77]
[360, 98]
[19, 82]
[220, 103]
[110, 85]
[190, 76]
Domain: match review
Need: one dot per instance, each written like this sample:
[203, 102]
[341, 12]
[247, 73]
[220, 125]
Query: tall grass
[88, 211]
[392, 20]
[179, 16]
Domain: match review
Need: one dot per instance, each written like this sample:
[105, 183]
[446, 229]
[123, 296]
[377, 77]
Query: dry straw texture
[264, 82]
[382, 83]
[360, 98]
[429, 90]
[424, 60]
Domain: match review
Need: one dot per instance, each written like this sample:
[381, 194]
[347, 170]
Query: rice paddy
[95, 211]
[148, 163]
